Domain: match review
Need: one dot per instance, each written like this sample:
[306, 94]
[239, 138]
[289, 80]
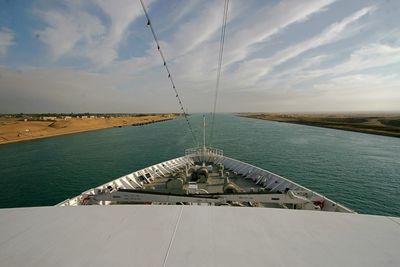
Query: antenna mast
[204, 132]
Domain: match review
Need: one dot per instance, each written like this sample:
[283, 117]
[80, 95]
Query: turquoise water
[358, 170]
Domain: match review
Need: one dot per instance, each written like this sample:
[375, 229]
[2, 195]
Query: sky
[279, 56]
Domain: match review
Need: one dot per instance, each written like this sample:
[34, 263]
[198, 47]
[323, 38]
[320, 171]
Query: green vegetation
[389, 122]
[347, 120]
[382, 125]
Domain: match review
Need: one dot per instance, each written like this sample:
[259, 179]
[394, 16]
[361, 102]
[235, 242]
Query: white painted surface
[194, 236]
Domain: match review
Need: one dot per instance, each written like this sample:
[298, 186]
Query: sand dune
[16, 129]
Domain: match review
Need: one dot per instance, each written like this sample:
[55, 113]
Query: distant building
[67, 117]
[92, 117]
[49, 118]
[84, 117]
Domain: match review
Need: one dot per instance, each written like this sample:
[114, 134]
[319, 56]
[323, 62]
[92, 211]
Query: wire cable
[169, 73]
[219, 68]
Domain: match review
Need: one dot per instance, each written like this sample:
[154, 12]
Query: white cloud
[292, 75]
[367, 57]
[331, 34]
[356, 92]
[262, 66]
[76, 31]
[198, 30]
[342, 81]
[43, 90]
[66, 28]
[6, 40]
[200, 35]
[349, 93]
[371, 56]
[95, 32]
[266, 22]
[121, 14]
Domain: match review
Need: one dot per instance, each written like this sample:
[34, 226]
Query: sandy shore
[16, 129]
[380, 123]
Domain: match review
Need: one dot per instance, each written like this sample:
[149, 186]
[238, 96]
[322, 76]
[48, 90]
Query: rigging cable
[168, 72]
[219, 68]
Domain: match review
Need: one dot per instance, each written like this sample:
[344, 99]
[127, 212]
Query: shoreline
[368, 124]
[14, 131]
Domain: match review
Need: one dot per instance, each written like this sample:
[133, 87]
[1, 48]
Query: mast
[204, 132]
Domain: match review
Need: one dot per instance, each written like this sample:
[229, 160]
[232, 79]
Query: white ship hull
[262, 179]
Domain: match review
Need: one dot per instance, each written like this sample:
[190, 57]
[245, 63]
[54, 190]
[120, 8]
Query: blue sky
[280, 56]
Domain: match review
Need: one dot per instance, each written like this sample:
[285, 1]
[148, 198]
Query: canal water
[359, 170]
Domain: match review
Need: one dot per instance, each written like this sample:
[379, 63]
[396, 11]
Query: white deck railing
[262, 177]
[199, 151]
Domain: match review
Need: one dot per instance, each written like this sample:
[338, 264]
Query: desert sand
[16, 129]
[373, 123]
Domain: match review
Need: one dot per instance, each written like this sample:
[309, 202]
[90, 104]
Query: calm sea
[358, 170]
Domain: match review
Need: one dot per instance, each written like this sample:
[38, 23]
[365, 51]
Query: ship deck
[151, 235]
[214, 184]
[206, 176]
